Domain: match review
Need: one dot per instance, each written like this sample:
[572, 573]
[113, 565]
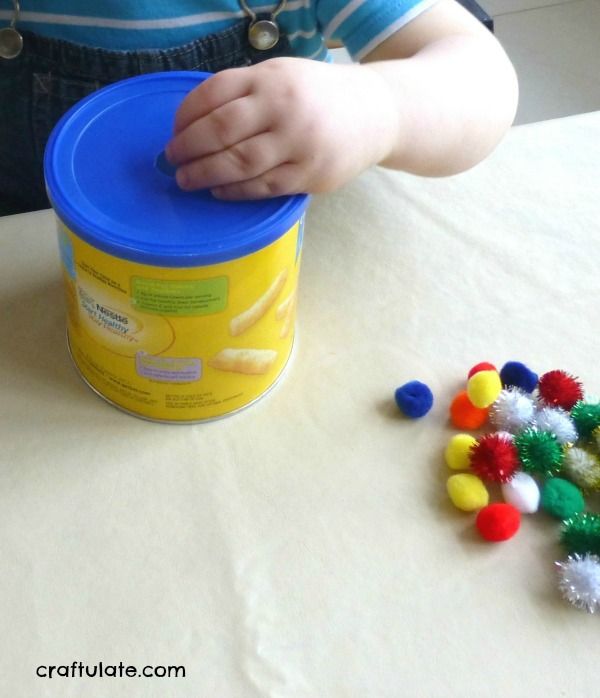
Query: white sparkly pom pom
[513, 410]
[557, 421]
[579, 581]
[582, 467]
[522, 492]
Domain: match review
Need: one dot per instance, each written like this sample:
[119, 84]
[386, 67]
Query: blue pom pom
[517, 374]
[414, 399]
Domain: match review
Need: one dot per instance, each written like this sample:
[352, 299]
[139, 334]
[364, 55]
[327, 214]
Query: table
[305, 548]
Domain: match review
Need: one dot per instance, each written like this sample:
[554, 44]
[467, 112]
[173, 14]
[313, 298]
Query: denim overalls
[50, 75]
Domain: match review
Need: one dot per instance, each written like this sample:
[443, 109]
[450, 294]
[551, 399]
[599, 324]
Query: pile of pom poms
[541, 451]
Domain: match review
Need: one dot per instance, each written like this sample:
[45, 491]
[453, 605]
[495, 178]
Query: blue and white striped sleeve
[361, 25]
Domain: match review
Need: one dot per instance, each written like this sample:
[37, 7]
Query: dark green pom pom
[581, 534]
[561, 498]
[586, 417]
[539, 452]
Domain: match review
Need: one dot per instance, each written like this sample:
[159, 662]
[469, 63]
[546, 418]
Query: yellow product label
[181, 344]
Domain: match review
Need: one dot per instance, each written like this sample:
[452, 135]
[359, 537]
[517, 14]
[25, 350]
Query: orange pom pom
[465, 415]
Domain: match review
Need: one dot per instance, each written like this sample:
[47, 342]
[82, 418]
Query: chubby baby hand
[284, 126]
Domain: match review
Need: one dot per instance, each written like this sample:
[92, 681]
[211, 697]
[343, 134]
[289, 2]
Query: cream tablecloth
[305, 548]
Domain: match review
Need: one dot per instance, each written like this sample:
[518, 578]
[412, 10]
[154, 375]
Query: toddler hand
[284, 126]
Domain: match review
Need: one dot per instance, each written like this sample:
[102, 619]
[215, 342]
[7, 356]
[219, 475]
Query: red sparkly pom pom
[494, 457]
[498, 522]
[483, 366]
[559, 389]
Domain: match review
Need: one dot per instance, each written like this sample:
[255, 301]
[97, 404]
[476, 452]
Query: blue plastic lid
[103, 182]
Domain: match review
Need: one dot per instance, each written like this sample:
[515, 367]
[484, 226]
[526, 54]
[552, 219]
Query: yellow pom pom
[467, 492]
[483, 388]
[457, 451]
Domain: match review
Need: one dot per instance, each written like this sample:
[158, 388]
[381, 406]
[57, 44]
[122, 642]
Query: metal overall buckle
[11, 42]
[263, 34]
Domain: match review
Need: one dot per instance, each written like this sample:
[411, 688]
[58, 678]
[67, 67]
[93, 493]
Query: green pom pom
[539, 452]
[581, 534]
[561, 498]
[586, 417]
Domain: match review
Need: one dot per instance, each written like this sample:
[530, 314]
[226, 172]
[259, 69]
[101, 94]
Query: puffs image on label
[239, 324]
[249, 361]
[180, 307]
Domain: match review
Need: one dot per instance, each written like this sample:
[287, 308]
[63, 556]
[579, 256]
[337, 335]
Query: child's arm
[433, 99]
[455, 91]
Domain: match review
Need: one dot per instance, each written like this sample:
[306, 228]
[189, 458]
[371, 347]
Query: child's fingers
[242, 161]
[227, 125]
[281, 180]
[211, 94]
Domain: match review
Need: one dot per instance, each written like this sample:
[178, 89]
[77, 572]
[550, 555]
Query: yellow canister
[181, 307]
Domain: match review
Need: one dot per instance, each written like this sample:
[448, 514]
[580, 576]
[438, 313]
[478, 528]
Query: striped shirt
[146, 24]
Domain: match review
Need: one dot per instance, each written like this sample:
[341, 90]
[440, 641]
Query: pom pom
[414, 399]
[561, 498]
[458, 451]
[579, 581]
[467, 492]
[522, 492]
[483, 366]
[539, 452]
[513, 410]
[495, 457]
[498, 522]
[515, 374]
[559, 389]
[558, 422]
[581, 534]
[586, 417]
[505, 435]
[464, 414]
[483, 388]
[582, 467]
